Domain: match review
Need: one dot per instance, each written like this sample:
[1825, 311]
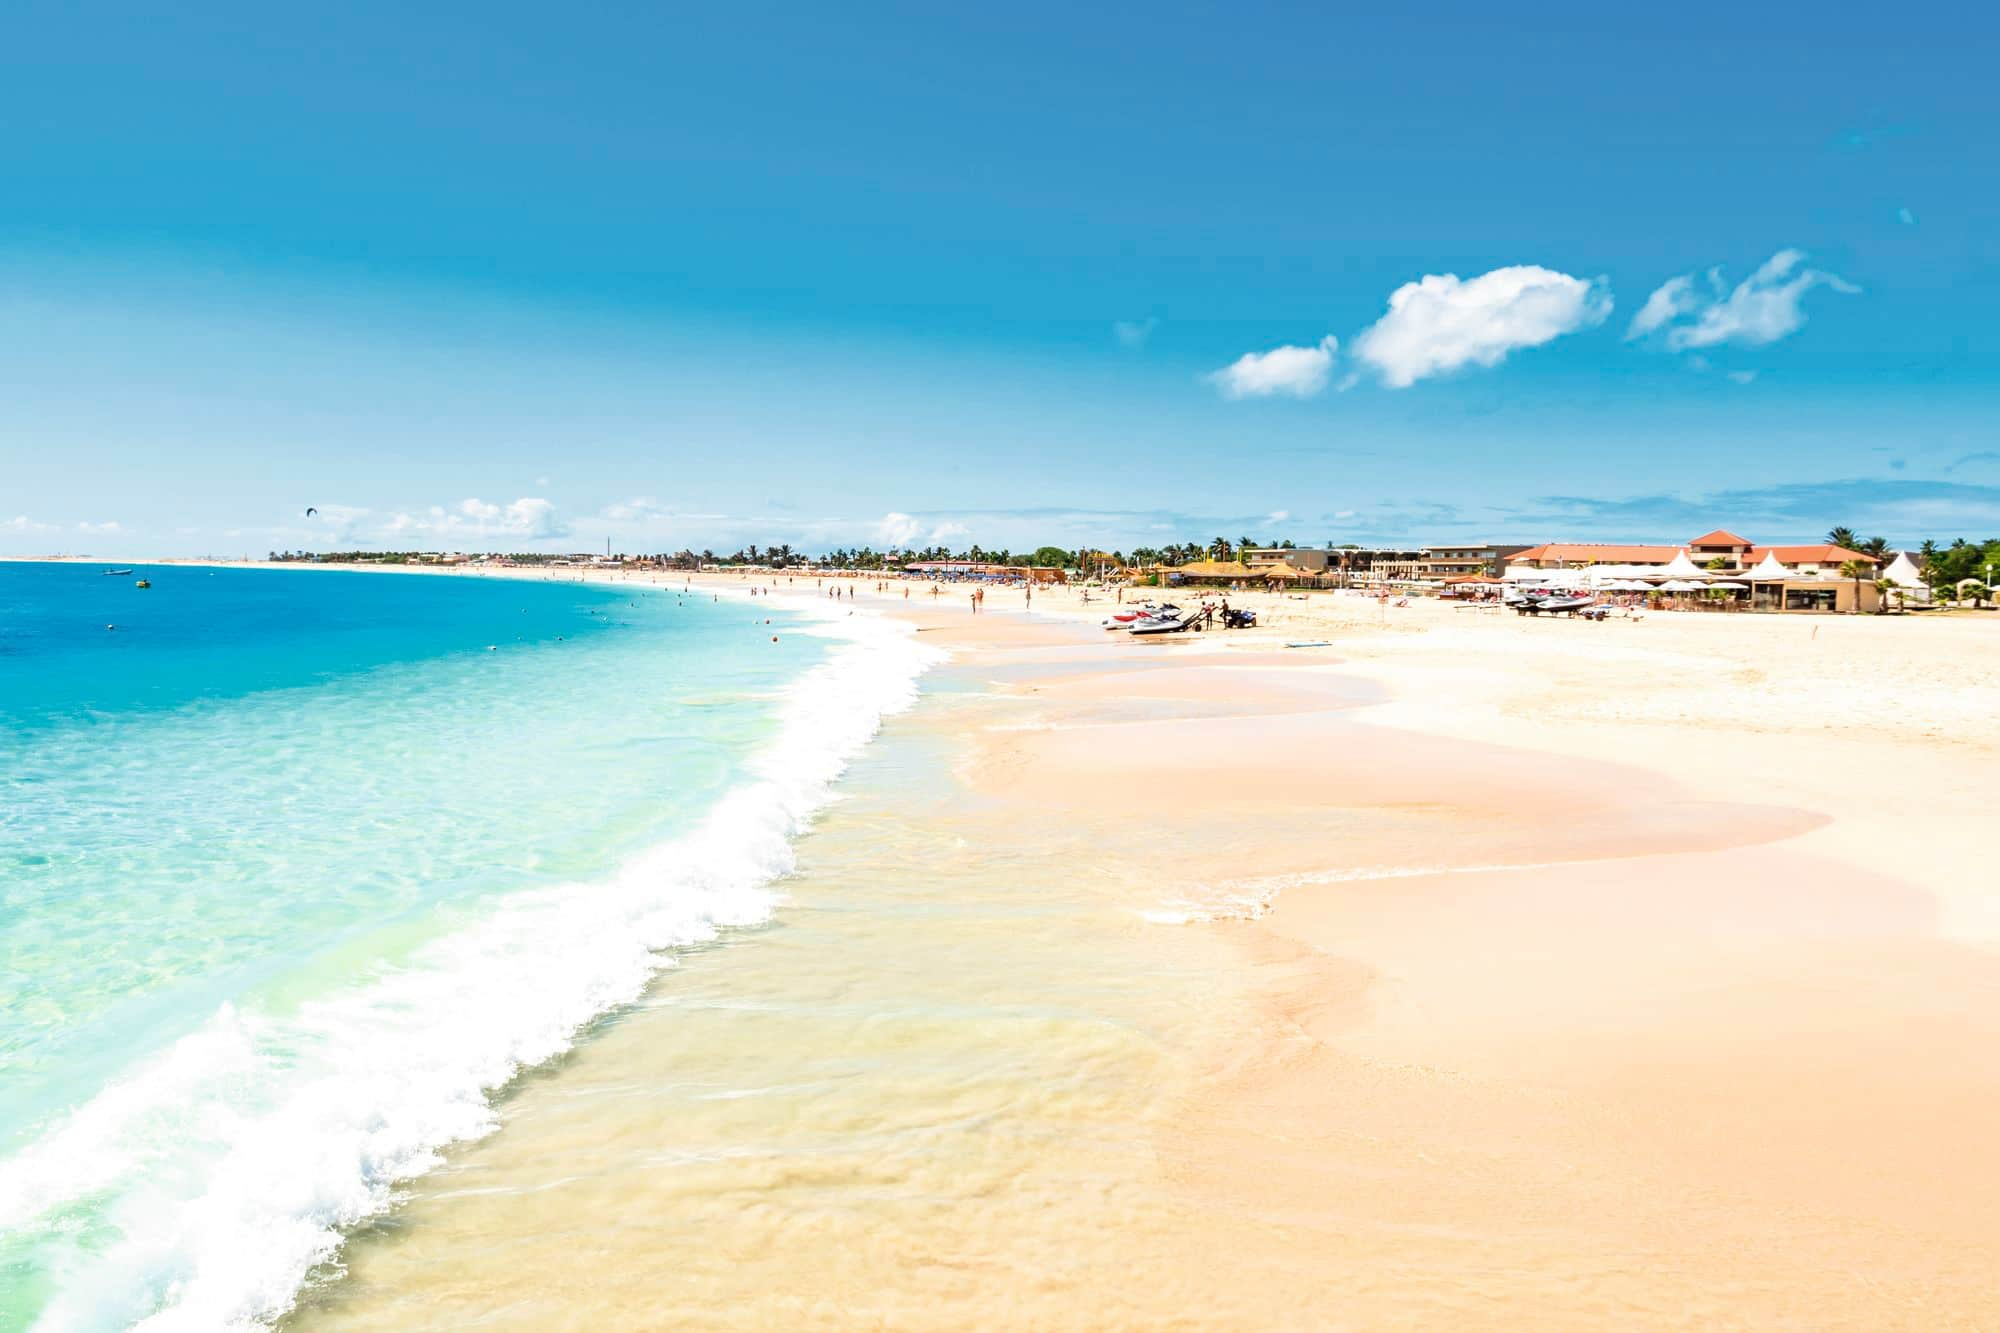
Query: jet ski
[1170, 623]
[1169, 619]
[1126, 619]
[1554, 606]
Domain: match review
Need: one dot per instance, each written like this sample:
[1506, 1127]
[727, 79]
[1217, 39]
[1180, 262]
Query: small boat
[117, 571]
[143, 583]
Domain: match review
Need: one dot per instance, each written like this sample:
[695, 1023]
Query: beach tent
[1726, 583]
[1680, 567]
[1903, 572]
[1768, 570]
[1606, 575]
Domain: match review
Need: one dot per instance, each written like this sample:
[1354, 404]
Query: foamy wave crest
[234, 1161]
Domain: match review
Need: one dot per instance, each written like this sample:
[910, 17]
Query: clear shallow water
[295, 870]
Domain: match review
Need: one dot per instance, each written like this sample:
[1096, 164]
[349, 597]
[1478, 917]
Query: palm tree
[1245, 543]
[1218, 547]
[1883, 588]
[1875, 546]
[1972, 590]
[1853, 569]
[1842, 537]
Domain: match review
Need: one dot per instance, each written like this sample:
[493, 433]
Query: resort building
[1387, 564]
[1736, 554]
[983, 571]
[1305, 559]
[1451, 562]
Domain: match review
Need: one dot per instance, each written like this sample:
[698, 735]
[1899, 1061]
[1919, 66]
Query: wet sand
[1434, 980]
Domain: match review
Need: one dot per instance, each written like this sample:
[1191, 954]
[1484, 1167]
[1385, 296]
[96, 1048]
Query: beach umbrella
[1726, 583]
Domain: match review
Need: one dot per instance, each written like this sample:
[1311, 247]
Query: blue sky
[501, 275]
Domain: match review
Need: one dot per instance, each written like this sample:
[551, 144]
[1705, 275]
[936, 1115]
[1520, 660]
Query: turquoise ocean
[299, 868]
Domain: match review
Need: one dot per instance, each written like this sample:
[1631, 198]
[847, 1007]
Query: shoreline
[1635, 973]
[1629, 1013]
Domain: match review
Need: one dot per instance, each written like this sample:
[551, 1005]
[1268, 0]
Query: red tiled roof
[1822, 554]
[1720, 537]
[1603, 553]
[1613, 553]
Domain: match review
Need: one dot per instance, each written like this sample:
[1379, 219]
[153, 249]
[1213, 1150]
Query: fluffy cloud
[638, 509]
[527, 519]
[945, 533]
[898, 532]
[895, 531]
[22, 526]
[1299, 372]
[1439, 324]
[1763, 308]
[1670, 300]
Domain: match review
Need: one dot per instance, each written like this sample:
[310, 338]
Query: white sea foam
[233, 1162]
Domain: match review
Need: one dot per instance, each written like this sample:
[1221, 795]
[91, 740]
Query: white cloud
[22, 523]
[1278, 516]
[638, 509]
[1134, 332]
[101, 529]
[894, 531]
[1299, 372]
[1440, 324]
[1763, 308]
[1743, 376]
[1670, 300]
[530, 518]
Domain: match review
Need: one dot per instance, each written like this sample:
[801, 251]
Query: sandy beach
[1470, 971]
